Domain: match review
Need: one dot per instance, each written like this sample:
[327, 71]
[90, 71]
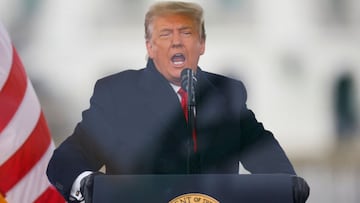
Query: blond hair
[191, 10]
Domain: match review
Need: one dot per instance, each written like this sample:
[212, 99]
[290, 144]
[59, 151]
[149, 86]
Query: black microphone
[188, 83]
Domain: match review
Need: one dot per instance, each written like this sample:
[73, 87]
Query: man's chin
[176, 80]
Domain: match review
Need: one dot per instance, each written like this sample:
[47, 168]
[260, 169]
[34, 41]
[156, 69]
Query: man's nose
[176, 40]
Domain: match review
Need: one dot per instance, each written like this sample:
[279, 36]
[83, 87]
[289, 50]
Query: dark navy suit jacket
[135, 125]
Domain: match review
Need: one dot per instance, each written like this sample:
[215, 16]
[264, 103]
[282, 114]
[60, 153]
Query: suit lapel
[162, 101]
[210, 102]
[159, 97]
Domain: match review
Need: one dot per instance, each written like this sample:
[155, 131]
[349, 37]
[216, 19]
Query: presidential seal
[194, 198]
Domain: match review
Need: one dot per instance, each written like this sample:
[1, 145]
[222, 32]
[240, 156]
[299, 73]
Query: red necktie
[184, 97]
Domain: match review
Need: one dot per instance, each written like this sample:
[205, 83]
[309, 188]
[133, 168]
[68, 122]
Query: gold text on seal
[194, 198]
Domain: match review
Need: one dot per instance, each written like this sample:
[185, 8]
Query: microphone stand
[193, 165]
[192, 108]
[189, 82]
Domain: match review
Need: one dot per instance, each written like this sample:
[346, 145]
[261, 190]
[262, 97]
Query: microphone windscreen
[186, 76]
[188, 83]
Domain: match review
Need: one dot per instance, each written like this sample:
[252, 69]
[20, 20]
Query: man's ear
[202, 47]
[149, 48]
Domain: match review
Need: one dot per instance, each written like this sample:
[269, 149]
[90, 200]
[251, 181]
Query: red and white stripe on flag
[25, 141]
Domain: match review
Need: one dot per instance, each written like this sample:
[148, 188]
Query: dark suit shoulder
[114, 86]
[229, 86]
[126, 76]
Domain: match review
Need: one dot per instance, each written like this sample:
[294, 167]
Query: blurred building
[290, 54]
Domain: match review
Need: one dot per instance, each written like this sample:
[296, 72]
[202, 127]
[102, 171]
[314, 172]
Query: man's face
[174, 45]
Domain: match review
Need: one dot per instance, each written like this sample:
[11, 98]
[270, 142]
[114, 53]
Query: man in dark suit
[135, 123]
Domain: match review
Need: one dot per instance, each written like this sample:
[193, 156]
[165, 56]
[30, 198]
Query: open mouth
[178, 59]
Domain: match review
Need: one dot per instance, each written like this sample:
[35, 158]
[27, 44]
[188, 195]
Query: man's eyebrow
[165, 30]
[185, 28]
[180, 29]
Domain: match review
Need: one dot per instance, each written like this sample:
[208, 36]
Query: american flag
[25, 142]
